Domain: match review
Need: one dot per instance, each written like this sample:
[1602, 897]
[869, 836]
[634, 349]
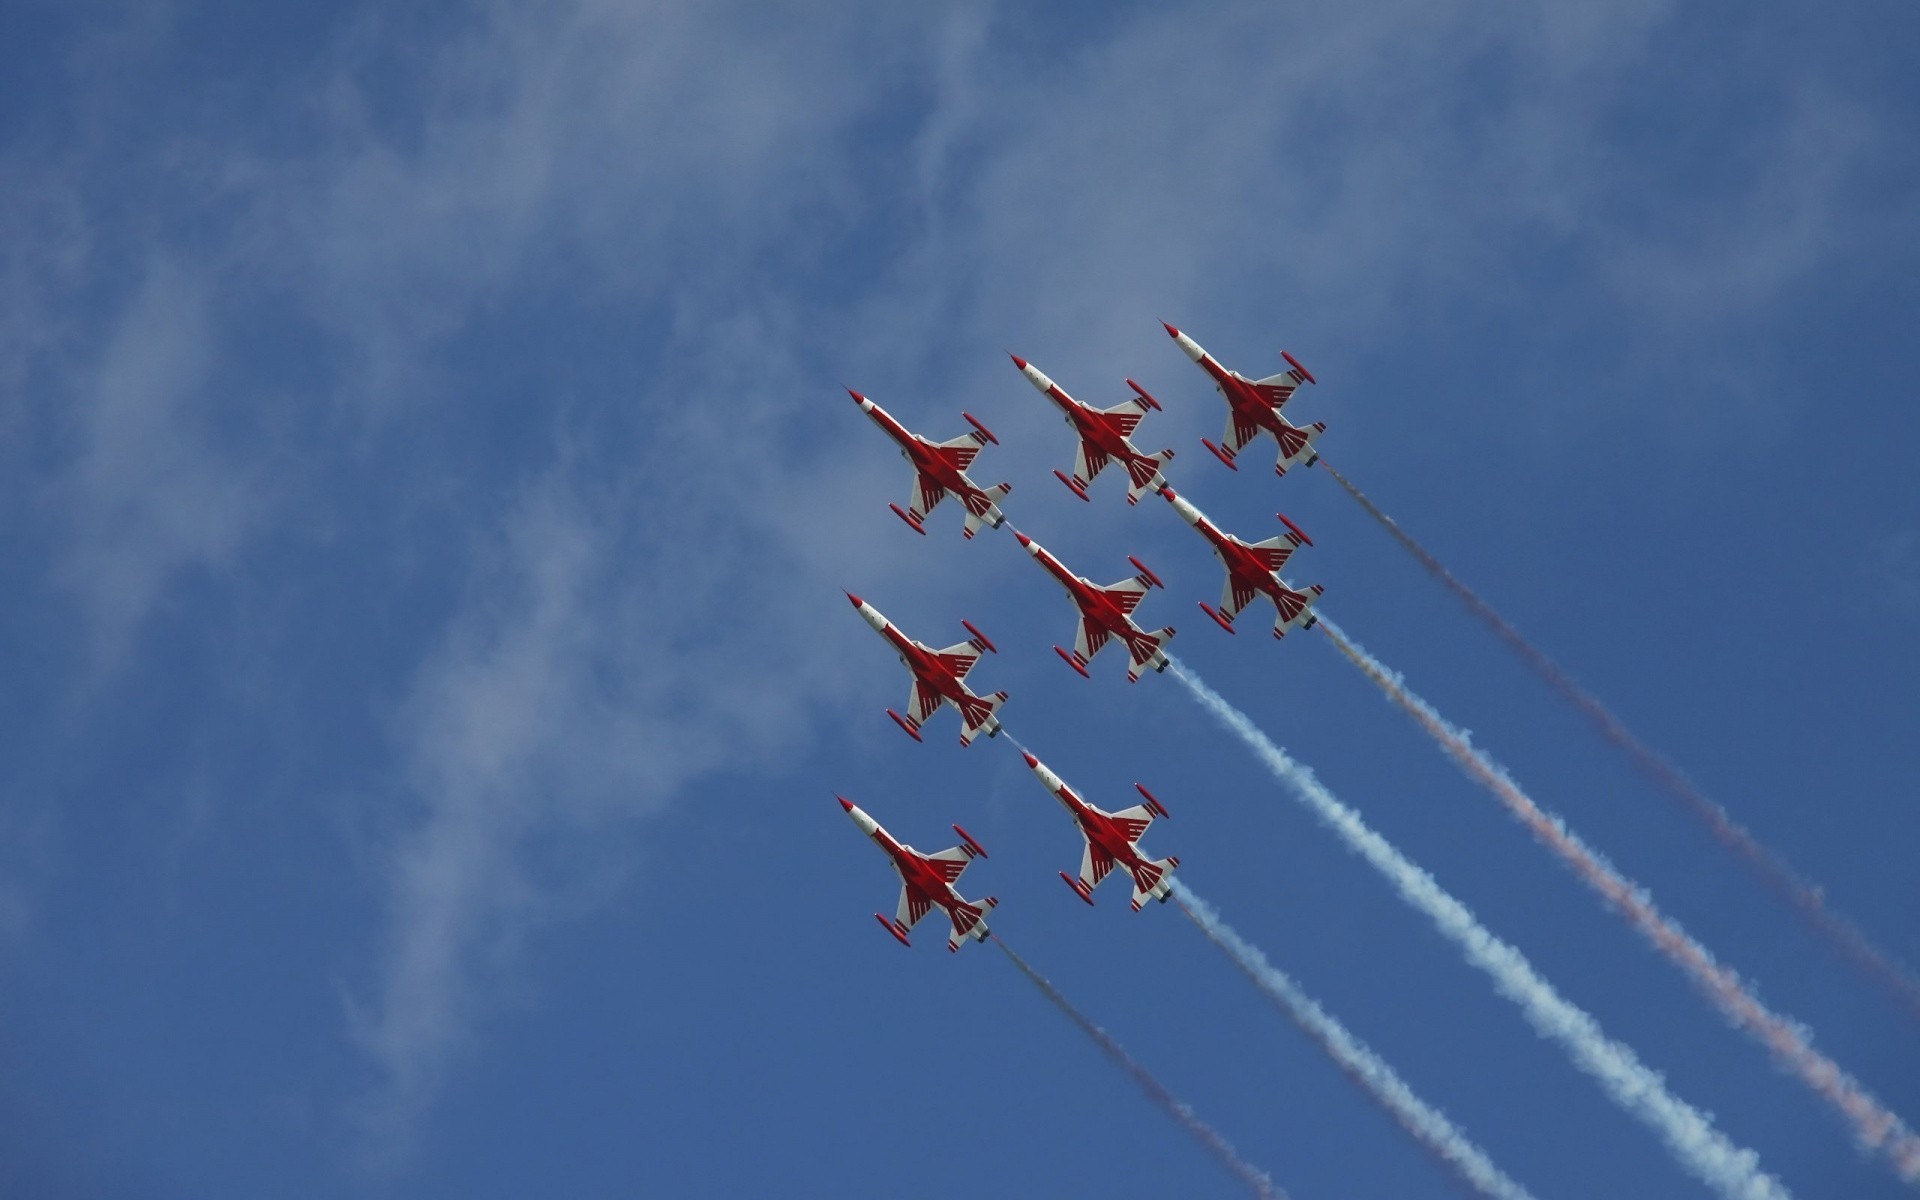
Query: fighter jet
[940, 469]
[927, 880]
[1111, 841]
[937, 676]
[1253, 568]
[1254, 406]
[1106, 612]
[1104, 437]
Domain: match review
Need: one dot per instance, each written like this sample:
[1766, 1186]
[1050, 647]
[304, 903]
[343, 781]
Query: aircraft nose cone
[1169, 494]
[1022, 538]
[845, 803]
[855, 599]
[857, 397]
[1171, 331]
[1031, 760]
[1018, 361]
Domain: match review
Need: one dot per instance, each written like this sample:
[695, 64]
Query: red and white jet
[1112, 841]
[937, 678]
[1254, 407]
[1253, 569]
[1105, 435]
[1106, 612]
[927, 880]
[939, 470]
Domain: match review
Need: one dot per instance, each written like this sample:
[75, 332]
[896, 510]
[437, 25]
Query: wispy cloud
[149, 492]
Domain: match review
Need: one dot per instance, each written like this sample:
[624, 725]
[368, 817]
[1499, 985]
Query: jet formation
[1105, 613]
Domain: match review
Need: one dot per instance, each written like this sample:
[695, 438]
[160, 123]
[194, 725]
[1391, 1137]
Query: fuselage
[915, 872]
[1090, 600]
[921, 662]
[1244, 567]
[1101, 830]
[1238, 390]
[1094, 427]
[1241, 563]
[928, 459]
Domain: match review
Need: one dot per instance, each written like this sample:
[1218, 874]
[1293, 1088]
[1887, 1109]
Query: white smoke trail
[1876, 1126]
[1256, 1180]
[1688, 1133]
[1772, 869]
[1427, 1124]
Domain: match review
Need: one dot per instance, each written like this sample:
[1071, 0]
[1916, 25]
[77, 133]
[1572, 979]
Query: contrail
[1176, 1108]
[1688, 1133]
[1428, 1125]
[1875, 1126]
[1773, 870]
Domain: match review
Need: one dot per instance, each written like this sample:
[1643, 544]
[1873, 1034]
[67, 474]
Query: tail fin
[982, 509]
[976, 716]
[970, 921]
[1153, 881]
[1143, 474]
[1148, 652]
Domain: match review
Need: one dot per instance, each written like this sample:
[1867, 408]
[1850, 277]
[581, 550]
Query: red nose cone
[1023, 539]
[1169, 494]
[854, 598]
[857, 397]
[1031, 760]
[1018, 361]
[845, 803]
[1171, 331]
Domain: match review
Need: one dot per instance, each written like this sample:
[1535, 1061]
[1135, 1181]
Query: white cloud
[148, 492]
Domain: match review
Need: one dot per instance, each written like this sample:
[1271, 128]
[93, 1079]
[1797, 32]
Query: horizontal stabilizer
[1153, 881]
[1291, 607]
[970, 921]
[1143, 474]
[1148, 652]
[983, 509]
[977, 715]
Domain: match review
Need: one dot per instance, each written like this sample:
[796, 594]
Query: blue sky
[426, 494]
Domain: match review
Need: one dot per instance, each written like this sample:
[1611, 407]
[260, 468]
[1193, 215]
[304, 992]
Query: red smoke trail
[1876, 1126]
[1773, 870]
[1176, 1108]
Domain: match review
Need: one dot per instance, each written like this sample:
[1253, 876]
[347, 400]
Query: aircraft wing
[961, 451]
[1234, 597]
[1239, 432]
[1277, 389]
[1274, 552]
[922, 702]
[951, 862]
[959, 658]
[1127, 593]
[1134, 821]
[1126, 416]
[913, 906]
[1088, 462]
[1095, 865]
[925, 497]
[1088, 640]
